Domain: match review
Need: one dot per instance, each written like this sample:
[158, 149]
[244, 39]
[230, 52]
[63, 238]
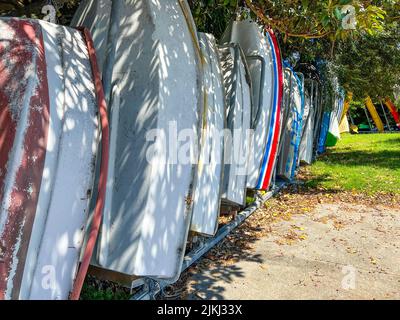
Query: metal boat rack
[149, 288]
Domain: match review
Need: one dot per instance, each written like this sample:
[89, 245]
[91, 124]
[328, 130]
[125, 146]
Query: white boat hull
[48, 99]
[207, 190]
[259, 57]
[307, 142]
[154, 63]
[238, 142]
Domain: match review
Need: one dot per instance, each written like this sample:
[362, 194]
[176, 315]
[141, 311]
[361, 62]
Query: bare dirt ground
[305, 244]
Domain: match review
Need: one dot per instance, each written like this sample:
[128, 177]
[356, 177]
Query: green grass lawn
[366, 162]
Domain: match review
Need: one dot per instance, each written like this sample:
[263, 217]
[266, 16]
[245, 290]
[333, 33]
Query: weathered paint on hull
[207, 191]
[153, 57]
[47, 105]
[24, 109]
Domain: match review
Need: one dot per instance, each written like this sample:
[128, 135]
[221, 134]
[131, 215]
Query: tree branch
[271, 23]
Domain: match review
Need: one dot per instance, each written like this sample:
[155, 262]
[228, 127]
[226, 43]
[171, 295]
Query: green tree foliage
[365, 60]
[33, 9]
[296, 18]
[370, 64]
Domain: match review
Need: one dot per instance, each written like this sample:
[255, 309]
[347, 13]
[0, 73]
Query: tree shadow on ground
[202, 281]
[383, 154]
[388, 159]
[219, 264]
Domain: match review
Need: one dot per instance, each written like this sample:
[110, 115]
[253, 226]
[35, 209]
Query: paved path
[338, 252]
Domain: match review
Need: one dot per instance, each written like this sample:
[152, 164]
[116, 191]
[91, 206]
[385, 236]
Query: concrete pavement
[338, 251]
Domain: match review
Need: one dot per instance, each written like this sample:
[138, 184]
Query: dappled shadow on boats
[48, 111]
[154, 68]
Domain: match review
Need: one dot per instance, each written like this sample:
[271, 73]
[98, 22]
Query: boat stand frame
[386, 117]
[149, 288]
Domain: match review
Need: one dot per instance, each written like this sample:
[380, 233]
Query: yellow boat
[344, 121]
[346, 107]
[375, 116]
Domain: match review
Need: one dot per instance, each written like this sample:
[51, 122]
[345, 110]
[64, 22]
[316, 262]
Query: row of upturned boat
[194, 122]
